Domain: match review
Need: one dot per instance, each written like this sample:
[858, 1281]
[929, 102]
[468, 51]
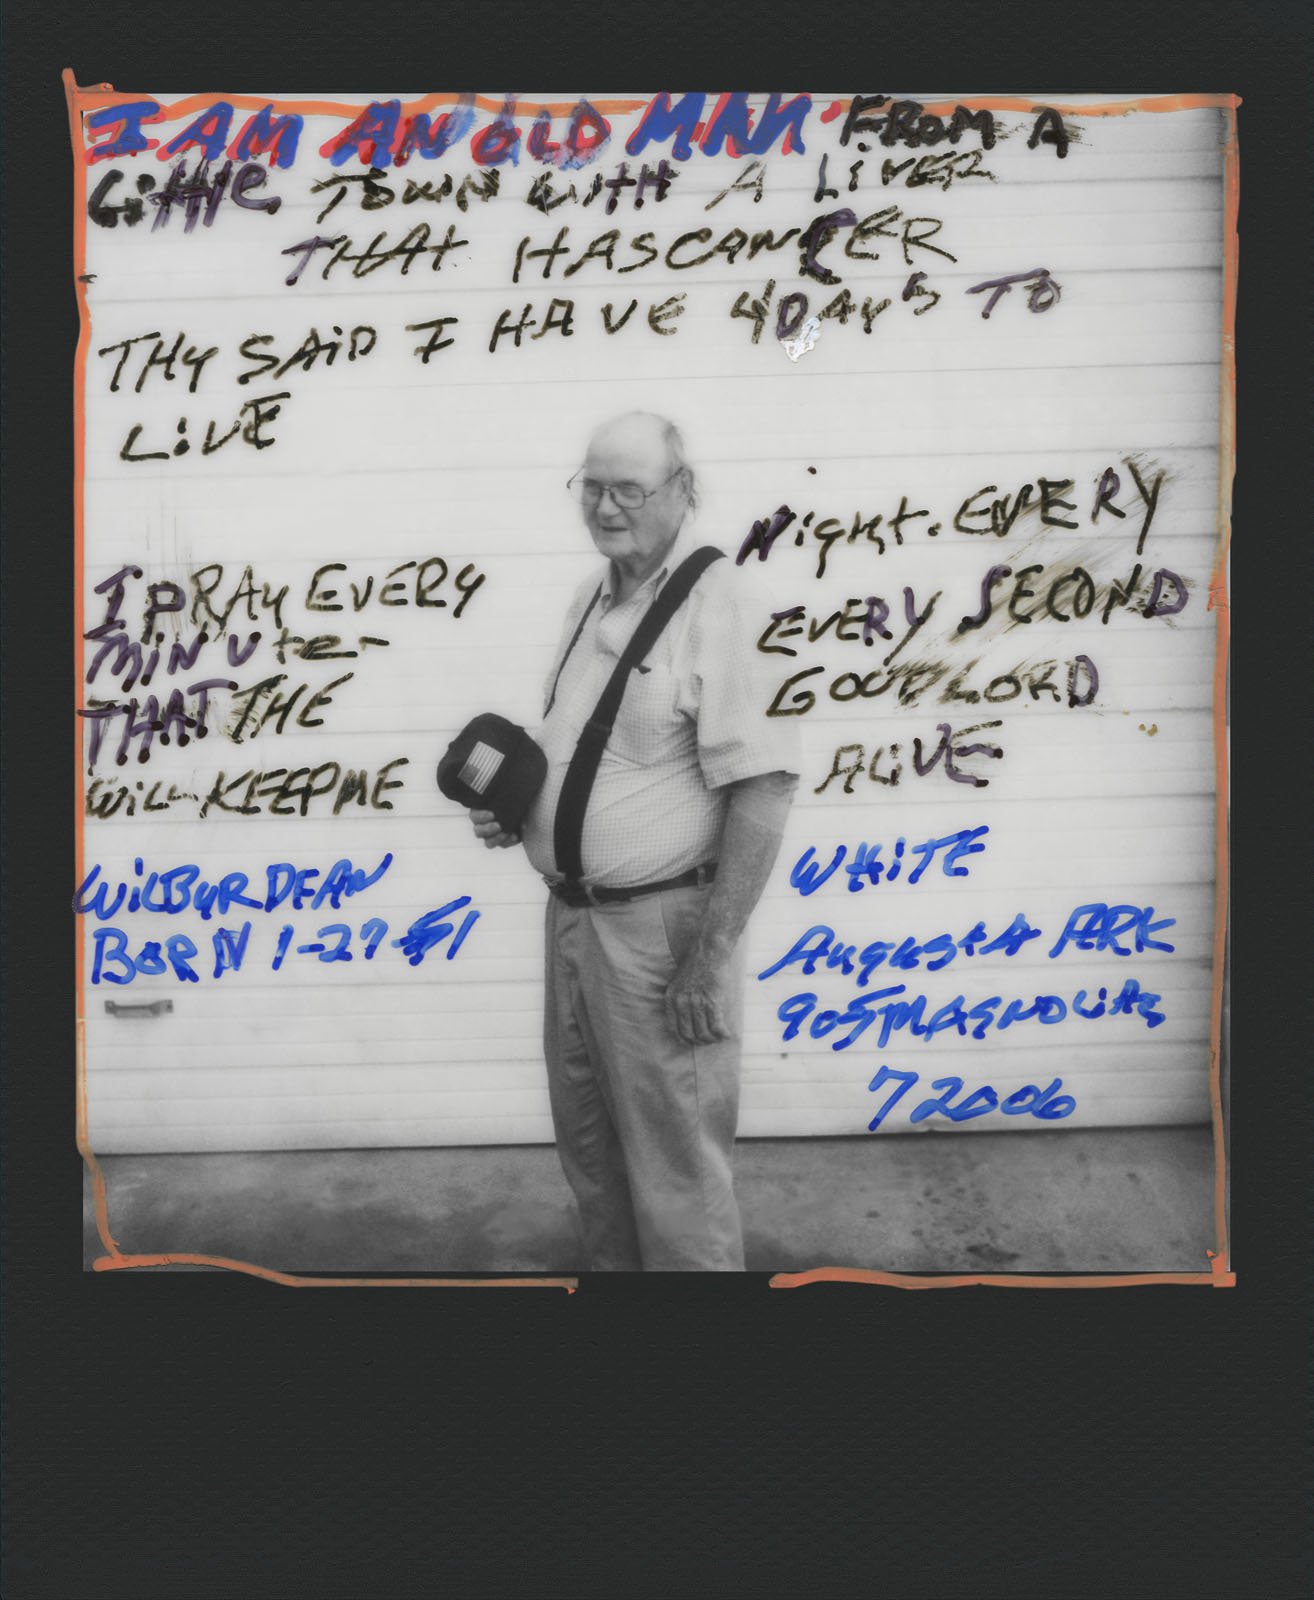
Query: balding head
[649, 440]
[637, 490]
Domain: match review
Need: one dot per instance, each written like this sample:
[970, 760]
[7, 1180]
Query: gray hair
[679, 458]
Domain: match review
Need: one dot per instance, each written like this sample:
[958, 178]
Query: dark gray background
[208, 1435]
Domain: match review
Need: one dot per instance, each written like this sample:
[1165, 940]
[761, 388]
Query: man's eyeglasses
[628, 496]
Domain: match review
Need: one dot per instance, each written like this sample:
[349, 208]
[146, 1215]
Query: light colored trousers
[645, 1124]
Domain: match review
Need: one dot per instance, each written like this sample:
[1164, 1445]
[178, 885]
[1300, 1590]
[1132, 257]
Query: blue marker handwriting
[968, 1021]
[182, 888]
[1099, 927]
[819, 944]
[1096, 927]
[422, 936]
[865, 865]
[114, 961]
[1046, 1104]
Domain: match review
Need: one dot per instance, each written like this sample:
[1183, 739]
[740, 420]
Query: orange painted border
[83, 99]
[1218, 601]
[1218, 1279]
[301, 1280]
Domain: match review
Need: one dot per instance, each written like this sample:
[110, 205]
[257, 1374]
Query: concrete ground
[1124, 1200]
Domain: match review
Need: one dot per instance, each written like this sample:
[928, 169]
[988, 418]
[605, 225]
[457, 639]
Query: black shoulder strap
[568, 827]
[574, 640]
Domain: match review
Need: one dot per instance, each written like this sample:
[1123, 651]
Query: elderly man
[680, 829]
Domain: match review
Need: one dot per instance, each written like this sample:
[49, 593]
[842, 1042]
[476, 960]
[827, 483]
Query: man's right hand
[490, 830]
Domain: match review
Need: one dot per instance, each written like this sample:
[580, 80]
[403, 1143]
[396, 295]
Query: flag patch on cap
[481, 767]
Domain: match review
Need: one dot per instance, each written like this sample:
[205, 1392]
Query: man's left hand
[695, 1000]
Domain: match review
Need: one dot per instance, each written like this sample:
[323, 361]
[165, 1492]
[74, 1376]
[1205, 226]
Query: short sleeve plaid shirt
[692, 721]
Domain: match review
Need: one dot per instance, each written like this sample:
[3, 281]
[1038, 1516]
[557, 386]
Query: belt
[579, 894]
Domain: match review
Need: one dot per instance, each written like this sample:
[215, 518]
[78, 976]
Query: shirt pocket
[650, 728]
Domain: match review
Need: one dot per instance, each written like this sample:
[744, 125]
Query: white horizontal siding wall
[387, 461]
